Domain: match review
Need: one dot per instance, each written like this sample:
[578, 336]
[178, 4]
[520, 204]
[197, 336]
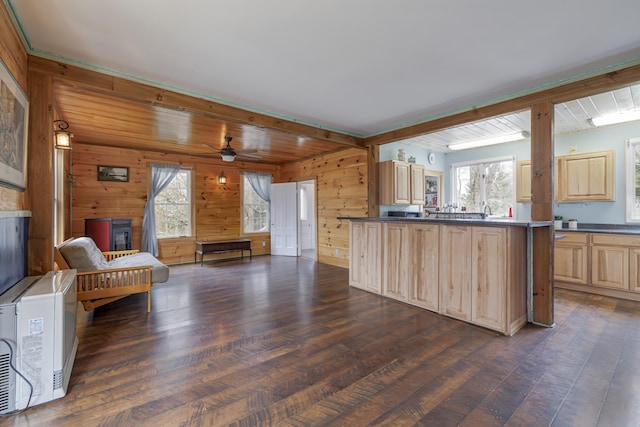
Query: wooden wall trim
[143, 93]
[373, 183]
[563, 93]
[542, 210]
[40, 173]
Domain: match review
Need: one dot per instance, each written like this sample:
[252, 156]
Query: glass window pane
[173, 207]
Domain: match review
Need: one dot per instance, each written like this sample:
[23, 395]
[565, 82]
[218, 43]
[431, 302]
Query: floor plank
[285, 341]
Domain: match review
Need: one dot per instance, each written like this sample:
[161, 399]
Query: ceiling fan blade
[248, 156]
[246, 151]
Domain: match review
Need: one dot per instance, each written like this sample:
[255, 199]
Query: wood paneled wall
[217, 206]
[14, 56]
[341, 190]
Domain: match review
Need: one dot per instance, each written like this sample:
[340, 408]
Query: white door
[284, 219]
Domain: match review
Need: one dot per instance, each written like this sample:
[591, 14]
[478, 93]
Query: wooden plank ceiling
[100, 119]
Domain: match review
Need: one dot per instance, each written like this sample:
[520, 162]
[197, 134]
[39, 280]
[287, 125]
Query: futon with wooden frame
[104, 277]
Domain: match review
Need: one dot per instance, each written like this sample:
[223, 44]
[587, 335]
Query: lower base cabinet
[475, 274]
[599, 263]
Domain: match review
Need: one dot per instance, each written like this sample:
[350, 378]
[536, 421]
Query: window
[255, 202]
[488, 182]
[632, 172]
[173, 207]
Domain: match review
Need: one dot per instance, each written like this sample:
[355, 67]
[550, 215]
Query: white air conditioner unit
[38, 321]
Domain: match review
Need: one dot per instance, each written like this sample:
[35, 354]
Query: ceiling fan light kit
[228, 154]
[501, 139]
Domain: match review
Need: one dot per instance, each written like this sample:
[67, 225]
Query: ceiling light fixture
[227, 157]
[62, 137]
[489, 141]
[613, 119]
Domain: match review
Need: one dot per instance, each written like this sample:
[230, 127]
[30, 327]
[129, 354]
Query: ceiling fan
[228, 154]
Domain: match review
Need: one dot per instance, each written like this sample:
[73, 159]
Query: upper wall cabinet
[578, 178]
[523, 181]
[586, 176]
[401, 183]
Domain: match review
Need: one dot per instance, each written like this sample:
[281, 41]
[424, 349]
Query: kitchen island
[473, 270]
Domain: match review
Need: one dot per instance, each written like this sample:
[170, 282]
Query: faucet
[484, 211]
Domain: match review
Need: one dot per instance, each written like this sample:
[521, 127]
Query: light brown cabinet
[570, 258]
[424, 255]
[455, 271]
[365, 255]
[588, 176]
[578, 178]
[472, 273]
[601, 263]
[489, 277]
[394, 261]
[401, 183]
[523, 181]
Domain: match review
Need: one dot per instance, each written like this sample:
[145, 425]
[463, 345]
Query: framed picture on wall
[113, 173]
[14, 115]
[432, 188]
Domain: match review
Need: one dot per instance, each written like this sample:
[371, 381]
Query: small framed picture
[113, 173]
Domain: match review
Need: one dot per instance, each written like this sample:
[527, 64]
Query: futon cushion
[83, 255]
[159, 273]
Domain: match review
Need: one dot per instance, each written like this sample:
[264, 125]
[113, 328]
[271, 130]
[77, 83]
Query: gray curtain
[161, 176]
[261, 184]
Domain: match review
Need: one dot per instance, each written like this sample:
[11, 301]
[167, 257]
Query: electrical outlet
[264, 244]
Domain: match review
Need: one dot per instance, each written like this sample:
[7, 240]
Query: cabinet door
[423, 265]
[489, 277]
[395, 262]
[634, 269]
[523, 181]
[570, 259]
[401, 183]
[587, 176]
[455, 271]
[610, 266]
[417, 184]
[366, 256]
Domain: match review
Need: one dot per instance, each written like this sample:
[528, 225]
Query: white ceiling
[358, 66]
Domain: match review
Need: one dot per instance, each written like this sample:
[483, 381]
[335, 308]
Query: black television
[14, 230]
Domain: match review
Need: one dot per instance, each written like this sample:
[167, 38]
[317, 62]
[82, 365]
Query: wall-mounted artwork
[14, 115]
[432, 188]
[113, 173]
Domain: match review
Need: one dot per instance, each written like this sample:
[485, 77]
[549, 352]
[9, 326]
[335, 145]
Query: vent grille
[5, 383]
[58, 378]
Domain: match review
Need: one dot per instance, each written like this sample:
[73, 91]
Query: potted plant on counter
[557, 222]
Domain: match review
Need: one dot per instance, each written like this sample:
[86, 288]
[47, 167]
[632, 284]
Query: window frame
[190, 204]
[453, 193]
[630, 180]
[242, 206]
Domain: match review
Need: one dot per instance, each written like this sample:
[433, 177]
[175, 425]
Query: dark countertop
[602, 228]
[493, 222]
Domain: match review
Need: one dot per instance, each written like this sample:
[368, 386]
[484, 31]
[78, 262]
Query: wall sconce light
[222, 179]
[62, 137]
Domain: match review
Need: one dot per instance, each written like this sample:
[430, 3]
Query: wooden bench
[204, 248]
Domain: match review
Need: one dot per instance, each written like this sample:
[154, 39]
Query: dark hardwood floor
[285, 341]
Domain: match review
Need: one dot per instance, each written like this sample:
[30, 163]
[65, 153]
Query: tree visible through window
[255, 209]
[633, 180]
[489, 181]
[173, 207]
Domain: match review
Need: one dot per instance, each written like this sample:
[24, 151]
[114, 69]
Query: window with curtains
[489, 182]
[173, 207]
[255, 202]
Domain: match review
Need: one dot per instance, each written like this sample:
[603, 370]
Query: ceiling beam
[556, 95]
[144, 93]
